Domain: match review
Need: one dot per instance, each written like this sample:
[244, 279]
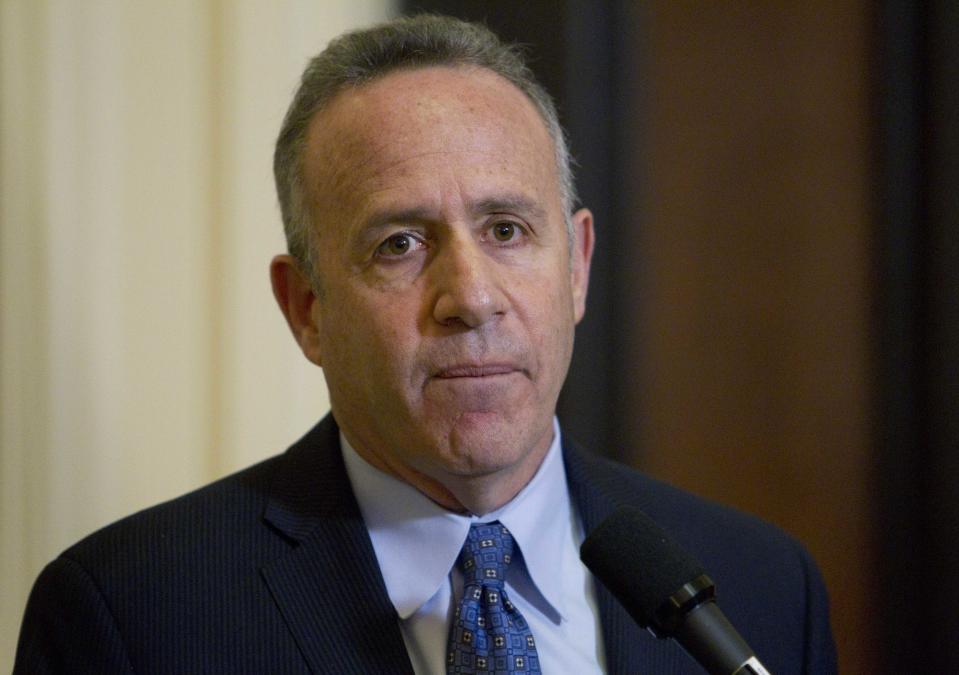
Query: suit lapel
[328, 587]
[331, 594]
[595, 487]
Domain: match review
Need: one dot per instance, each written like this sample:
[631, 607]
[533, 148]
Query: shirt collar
[416, 541]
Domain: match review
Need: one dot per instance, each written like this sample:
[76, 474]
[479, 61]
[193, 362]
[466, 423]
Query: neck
[477, 494]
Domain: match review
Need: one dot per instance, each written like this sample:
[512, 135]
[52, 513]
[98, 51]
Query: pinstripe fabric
[767, 584]
[238, 577]
[246, 575]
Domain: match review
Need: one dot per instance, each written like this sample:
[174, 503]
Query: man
[430, 524]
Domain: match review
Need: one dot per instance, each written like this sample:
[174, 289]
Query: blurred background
[774, 309]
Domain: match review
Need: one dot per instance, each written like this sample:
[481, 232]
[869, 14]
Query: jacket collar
[328, 586]
[598, 488]
[329, 589]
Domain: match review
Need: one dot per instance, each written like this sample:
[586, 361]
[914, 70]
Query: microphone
[666, 591]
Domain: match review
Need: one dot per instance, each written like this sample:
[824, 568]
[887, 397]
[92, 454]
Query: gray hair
[361, 56]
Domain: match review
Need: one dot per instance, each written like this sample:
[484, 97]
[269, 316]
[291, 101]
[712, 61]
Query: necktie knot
[486, 554]
[488, 635]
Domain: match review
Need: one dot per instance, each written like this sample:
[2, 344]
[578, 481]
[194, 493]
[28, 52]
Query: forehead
[433, 121]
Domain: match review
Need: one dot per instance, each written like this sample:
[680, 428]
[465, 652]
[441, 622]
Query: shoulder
[94, 607]
[767, 583]
[184, 577]
[210, 513]
[217, 535]
[227, 515]
[600, 485]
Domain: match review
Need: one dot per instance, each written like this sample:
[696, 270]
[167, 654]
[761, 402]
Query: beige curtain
[141, 354]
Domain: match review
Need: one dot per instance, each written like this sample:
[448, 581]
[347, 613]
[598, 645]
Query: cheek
[368, 338]
[549, 320]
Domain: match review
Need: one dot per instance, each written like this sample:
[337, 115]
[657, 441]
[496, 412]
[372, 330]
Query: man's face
[448, 296]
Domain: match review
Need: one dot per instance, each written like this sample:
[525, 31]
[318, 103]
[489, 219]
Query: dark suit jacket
[271, 570]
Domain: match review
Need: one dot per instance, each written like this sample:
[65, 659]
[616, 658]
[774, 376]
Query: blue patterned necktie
[489, 635]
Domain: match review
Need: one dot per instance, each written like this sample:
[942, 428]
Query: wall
[141, 353]
[753, 343]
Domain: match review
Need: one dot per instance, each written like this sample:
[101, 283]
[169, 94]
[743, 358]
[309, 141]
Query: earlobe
[582, 256]
[294, 294]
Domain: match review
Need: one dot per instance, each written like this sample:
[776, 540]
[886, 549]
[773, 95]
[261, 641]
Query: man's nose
[467, 284]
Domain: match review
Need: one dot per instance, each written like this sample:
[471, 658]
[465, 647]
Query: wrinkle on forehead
[364, 139]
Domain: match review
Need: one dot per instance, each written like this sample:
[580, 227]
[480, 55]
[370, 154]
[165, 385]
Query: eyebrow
[510, 203]
[516, 203]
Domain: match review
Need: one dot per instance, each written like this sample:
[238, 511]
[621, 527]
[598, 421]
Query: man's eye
[397, 245]
[504, 231]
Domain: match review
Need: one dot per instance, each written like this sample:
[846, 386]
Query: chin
[476, 449]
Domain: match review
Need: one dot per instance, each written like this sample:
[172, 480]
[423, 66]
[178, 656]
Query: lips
[476, 370]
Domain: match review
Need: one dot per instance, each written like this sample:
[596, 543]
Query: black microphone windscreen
[638, 562]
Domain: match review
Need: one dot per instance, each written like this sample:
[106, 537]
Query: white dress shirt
[417, 542]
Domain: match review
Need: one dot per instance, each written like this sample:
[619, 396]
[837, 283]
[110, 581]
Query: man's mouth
[476, 370]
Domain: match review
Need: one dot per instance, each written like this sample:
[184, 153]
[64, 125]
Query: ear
[294, 294]
[582, 256]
